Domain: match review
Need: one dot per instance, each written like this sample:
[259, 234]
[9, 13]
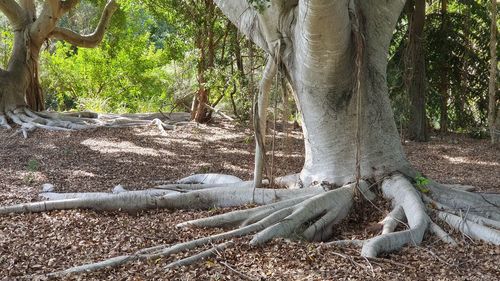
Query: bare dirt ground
[139, 158]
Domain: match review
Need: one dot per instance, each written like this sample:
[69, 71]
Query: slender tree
[493, 108]
[415, 71]
[334, 54]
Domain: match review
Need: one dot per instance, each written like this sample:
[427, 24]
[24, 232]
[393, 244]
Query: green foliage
[6, 41]
[421, 183]
[126, 73]
[260, 5]
[457, 54]
[33, 165]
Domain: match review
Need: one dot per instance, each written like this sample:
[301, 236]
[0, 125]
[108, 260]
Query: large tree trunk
[325, 78]
[20, 86]
[415, 72]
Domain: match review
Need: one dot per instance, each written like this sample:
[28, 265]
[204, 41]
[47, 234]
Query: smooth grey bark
[317, 52]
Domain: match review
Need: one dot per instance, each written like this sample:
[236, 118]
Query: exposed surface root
[132, 201]
[471, 229]
[203, 255]
[4, 123]
[393, 219]
[30, 121]
[441, 234]
[480, 204]
[402, 193]
[308, 213]
[209, 179]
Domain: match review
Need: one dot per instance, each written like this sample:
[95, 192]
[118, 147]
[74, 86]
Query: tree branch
[67, 5]
[13, 12]
[29, 7]
[324, 42]
[246, 19]
[381, 18]
[91, 40]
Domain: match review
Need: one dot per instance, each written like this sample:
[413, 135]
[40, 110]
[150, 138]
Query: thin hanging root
[201, 256]
[402, 193]
[441, 234]
[396, 216]
[471, 229]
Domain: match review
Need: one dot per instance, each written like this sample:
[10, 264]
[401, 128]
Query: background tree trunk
[415, 72]
[20, 85]
[493, 110]
[444, 85]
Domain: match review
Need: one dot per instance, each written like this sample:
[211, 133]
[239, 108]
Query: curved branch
[29, 7]
[91, 40]
[381, 18]
[13, 12]
[323, 41]
[67, 5]
[246, 19]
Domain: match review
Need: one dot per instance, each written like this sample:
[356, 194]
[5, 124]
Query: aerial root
[471, 229]
[30, 121]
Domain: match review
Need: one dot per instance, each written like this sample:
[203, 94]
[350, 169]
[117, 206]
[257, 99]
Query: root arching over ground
[28, 120]
[307, 214]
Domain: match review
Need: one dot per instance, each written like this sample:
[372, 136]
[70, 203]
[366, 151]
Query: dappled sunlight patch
[81, 173]
[107, 146]
[465, 160]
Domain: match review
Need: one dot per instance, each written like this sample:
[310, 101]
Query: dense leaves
[456, 51]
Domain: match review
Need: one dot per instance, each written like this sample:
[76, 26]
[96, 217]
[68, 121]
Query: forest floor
[139, 158]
